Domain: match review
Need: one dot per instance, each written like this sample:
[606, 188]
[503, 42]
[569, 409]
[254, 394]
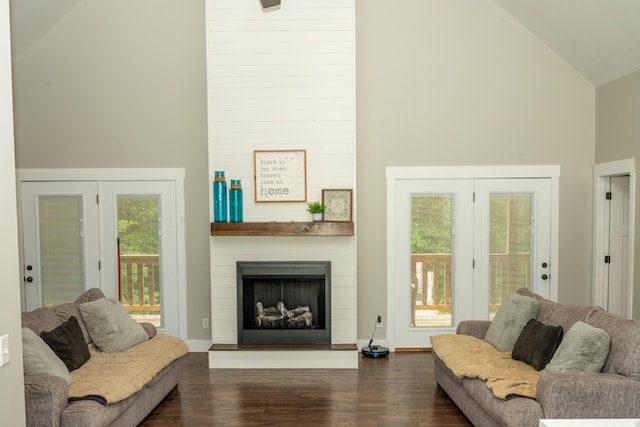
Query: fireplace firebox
[284, 302]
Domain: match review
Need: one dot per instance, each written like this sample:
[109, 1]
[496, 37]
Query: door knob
[29, 279]
[544, 277]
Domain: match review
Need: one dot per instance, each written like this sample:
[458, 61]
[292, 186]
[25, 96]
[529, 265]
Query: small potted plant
[316, 209]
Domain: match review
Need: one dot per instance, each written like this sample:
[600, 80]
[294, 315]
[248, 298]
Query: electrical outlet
[205, 323]
[379, 322]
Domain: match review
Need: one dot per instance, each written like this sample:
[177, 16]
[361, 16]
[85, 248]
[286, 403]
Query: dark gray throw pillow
[67, 342]
[537, 344]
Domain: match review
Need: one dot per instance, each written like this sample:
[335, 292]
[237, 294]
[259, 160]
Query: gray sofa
[47, 396]
[612, 393]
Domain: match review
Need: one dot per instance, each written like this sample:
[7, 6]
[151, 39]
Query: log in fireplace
[284, 302]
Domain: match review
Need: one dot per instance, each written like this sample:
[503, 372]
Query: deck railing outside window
[431, 279]
[140, 283]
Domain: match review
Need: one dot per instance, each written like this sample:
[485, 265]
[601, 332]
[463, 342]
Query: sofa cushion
[517, 411]
[552, 313]
[624, 351]
[39, 359]
[510, 319]
[110, 325]
[583, 349]
[67, 342]
[89, 295]
[40, 319]
[537, 343]
[68, 310]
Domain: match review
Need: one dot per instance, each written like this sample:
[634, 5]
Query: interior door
[60, 241]
[461, 246]
[618, 247]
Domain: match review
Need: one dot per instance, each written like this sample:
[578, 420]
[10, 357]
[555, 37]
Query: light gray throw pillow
[110, 325]
[39, 359]
[583, 349]
[510, 320]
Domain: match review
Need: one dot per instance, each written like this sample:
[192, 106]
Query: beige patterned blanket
[116, 376]
[470, 357]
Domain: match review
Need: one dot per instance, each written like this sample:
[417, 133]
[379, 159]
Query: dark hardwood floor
[395, 391]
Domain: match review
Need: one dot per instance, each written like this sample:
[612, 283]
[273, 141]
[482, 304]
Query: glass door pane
[138, 257]
[510, 246]
[61, 248]
[431, 255]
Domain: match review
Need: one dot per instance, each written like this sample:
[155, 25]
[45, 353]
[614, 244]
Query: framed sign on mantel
[338, 205]
[280, 175]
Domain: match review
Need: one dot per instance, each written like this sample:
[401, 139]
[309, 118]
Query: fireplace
[284, 302]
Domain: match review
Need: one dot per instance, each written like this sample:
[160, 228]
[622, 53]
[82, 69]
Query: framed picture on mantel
[338, 204]
[280, 175]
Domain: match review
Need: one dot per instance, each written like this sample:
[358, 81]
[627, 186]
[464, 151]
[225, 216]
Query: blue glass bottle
[219, 197]
[235, 201]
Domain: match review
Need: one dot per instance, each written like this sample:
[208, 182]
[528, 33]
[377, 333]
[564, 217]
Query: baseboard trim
[198, 346]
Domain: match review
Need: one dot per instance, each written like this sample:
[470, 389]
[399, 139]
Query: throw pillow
[537, 343]
[510, 320]
[111, 327]
[67, 342]
[583, 349]
[39, 359]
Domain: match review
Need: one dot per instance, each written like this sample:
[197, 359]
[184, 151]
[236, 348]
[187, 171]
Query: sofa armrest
[45, 399]
[149, 328]
[588, 395]
[475, 328]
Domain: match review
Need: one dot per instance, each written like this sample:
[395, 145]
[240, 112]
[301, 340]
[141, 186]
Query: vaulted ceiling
[599, 38]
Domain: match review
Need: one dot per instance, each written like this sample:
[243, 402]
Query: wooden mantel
[318, 228]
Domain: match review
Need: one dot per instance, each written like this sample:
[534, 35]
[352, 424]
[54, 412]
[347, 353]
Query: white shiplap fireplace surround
[283, 79]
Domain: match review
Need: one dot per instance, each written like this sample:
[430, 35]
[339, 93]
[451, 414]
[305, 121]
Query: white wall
[11, 375]
[617, 138]
[121, 84]
[278, 80]
[460, 82]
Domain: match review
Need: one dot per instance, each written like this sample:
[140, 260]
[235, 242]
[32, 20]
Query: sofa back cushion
[89, 295]
[624, 349]
[46, 319]
[567, 315]
[552, 313]
[40, 319]
[68, 310]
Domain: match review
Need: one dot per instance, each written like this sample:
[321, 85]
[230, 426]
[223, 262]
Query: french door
[120, 236]
[140, 248]
[459, 246]
[60, 235]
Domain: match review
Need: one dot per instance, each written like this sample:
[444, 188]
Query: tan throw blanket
[116, 376]
[470, 357]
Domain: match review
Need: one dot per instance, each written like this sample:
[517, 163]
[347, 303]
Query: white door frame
[601, 174]
[133, 174]
[394, 174]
